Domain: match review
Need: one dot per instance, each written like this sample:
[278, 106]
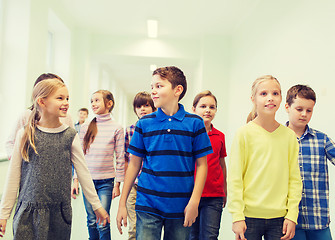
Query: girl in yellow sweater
[264, 183]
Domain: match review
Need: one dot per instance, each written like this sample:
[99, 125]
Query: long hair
[41, 90]
[92, 127]
[253, 114]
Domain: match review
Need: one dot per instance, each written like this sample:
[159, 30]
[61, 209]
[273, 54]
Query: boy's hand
[239, 229]
[191, 213]
[102, 216]
[3, 223]
[121, 218]
[288, 229]
[116, 190]
[74, 189]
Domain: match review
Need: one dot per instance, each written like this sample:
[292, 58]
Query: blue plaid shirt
[315, 148]
[129, 133]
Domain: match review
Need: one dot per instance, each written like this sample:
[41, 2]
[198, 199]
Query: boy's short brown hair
[302, 91]
[174, 75]
[143, 98]
[83, 110]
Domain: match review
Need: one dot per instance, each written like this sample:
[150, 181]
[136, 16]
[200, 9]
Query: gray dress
[43, 210]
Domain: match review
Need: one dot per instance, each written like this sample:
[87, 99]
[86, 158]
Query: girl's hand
[239, 229]
[191, 213]
[121, 217]
[3, 223]
[74, 189]
[288, 229]
[102, 216]
[116, 190]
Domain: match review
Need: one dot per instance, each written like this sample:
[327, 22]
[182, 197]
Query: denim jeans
[149, 227]
[207, 224]
[271, 229]
[302, 234]
[104, 190]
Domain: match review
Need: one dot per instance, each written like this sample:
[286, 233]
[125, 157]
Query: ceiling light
[153, 67]
[152, 28]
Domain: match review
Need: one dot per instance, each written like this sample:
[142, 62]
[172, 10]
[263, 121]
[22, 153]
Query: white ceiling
[177, 19]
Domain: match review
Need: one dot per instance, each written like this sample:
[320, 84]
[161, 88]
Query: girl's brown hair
[92, 127]
[253, 114]
[143, 98]
[41, 90]
[204, 94]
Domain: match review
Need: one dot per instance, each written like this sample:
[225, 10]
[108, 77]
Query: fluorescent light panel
[152, 28]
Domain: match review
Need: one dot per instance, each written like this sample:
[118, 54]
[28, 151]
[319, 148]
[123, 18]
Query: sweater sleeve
[295, 183]
[12, 181]
[119, 154]
[235, 178]
[83, 174]
[21, 121]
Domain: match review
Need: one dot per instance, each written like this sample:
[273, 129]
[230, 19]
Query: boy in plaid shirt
[315, 148]
[143, 105]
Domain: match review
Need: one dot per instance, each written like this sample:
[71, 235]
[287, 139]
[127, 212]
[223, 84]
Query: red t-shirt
[215, 179]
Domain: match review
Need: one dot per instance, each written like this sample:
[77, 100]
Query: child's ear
[40, 102]
[193, 109]
[110, 104]
[287, 107]
[179, 90]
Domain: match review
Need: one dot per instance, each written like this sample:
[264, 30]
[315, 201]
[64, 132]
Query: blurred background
[221, 45]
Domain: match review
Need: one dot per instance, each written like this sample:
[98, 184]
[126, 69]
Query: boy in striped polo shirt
[171, 141]
[314, 151]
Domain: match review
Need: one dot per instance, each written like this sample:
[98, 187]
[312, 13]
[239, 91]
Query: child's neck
[208, 126]
[269, 123]
[49, 122]
[81, 122]
[170, 110]
[298, 131]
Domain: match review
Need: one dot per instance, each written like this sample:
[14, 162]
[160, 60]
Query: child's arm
[85, 179]
[191, 210]
[11, 185]
[120, 162]
[134, 167]
[3, 223]
[224, 170]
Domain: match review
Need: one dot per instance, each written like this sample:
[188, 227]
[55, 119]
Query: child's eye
[212, 107]
[202, 106]
[263, 93]
[299, 109]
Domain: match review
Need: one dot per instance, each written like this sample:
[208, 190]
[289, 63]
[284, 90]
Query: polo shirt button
[169, 130]
[169, 119]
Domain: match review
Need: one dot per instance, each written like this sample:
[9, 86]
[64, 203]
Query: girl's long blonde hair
[42, 90]
[253, 114]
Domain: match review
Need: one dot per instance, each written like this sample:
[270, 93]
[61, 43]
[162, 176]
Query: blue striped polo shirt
[169, 146]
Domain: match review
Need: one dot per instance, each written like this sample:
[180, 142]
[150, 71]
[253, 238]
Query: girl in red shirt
[213, 197]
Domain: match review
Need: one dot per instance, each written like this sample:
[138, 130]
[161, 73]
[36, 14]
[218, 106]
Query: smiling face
[267, 98]
[57, 103]
[300, 112]
[162, 92]
[143, 110]
[98, 104]
[206, 108]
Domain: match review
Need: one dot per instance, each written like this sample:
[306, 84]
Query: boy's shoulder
[317, 133]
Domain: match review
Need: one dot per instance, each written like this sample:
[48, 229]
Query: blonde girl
[40, 170]
[264, 184]
[213, 198]
[102, 139]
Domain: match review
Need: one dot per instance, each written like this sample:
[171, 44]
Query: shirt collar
[178, 115]
[103, 117]
[307, 131]
[214, 131]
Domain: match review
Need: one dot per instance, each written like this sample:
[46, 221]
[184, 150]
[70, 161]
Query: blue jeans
[271, 229]
[104, 190]
[149, 227]
[323, 234]
[207, 224]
